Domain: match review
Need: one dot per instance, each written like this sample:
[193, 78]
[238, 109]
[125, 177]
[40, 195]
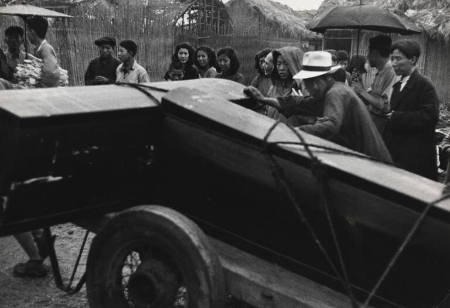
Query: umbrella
[366, 17]
[25, 11]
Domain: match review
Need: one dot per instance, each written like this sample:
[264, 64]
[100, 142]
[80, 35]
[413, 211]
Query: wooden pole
[25, 42]
[357, 42]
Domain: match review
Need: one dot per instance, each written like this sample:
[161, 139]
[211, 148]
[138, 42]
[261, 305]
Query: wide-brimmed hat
[316, 63]
[106, 40]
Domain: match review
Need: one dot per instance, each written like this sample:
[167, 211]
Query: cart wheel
[152, 256]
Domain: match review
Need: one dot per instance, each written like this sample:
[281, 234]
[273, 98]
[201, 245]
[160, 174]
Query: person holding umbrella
[102, 70]
[378, 95]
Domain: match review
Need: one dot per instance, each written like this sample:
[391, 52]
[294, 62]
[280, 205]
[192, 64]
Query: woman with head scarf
[287, 62]
[205, 61]
[262, 81]
[184, 54]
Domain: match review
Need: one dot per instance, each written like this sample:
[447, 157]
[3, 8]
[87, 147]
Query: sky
[299, 4]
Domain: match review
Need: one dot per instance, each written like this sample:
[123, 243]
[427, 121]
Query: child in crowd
[357, 70]
[184, 54]
[129, 70]
[341, 74]
[175, 72]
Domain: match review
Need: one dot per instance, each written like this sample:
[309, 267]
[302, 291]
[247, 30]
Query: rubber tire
[187, 244]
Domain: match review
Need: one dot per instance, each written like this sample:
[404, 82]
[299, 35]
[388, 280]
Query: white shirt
[137, 74]
[405, 79]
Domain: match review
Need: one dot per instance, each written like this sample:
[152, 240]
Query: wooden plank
[257, 282]
[73, 100]
[263, 284]
[223, 88]
[76, 100]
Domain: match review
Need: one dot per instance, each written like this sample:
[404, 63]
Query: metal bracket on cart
[69, 288]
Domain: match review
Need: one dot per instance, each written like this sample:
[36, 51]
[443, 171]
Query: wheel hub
[153, 284]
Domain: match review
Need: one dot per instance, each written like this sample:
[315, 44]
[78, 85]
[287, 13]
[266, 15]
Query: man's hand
[101, 79]
[389, 115]
[358, 88]
[254, 93]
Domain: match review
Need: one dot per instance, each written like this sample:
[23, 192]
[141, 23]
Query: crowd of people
[186, 63]
[391, 117]
[326, 93]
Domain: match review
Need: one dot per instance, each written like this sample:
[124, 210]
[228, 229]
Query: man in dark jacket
[102, 70]
[409, 131]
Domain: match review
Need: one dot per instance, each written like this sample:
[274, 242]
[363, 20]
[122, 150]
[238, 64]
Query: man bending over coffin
[342, 118]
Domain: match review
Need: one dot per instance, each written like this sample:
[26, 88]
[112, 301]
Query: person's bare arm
[255, 94]
[50, 69]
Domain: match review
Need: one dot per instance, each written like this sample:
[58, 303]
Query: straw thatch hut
[431, 16]
[270, 19]
[204, 17]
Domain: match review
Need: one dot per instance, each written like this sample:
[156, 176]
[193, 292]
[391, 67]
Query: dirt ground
[42, 292]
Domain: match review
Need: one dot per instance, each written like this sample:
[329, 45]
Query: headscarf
[293, 57]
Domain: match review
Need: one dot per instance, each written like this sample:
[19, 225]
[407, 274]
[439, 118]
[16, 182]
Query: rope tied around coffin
[319, 170]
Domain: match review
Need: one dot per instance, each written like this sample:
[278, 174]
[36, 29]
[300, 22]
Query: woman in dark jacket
[229, 65]
[184, 54]
[409, 132]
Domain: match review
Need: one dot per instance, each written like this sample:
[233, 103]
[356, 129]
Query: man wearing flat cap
[102, 70]
[343, 118]
[129, 70]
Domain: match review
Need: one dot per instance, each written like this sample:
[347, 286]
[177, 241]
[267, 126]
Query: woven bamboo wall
[151, 31]
[73, 39]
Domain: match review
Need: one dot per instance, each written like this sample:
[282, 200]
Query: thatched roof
[44, 3]
[106, 3]
[430, 15]
[288, 19]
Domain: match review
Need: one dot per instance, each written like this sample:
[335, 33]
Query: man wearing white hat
[344, 118]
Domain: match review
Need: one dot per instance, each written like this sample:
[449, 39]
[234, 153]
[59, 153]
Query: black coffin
[72, 150]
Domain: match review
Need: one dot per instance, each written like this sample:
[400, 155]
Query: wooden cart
[171, 159]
